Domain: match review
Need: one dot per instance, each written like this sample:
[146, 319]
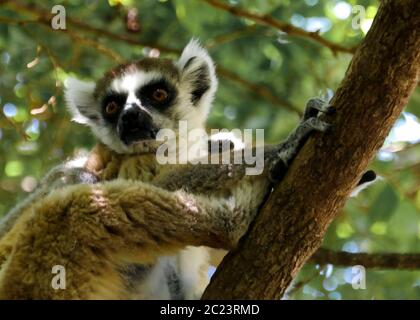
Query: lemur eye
[160, 95]
[111, 108]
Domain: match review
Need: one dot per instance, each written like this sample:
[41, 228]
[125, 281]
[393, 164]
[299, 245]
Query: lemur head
[132, 102]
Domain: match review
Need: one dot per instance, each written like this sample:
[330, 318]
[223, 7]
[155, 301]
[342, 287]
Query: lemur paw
[317, 103]
[318, 125]
[330, 110]
[317, 106]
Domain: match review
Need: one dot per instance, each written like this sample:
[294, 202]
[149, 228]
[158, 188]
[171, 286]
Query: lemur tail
[368, 178]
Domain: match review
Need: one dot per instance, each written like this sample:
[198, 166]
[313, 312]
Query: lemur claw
[330, 110]
[324, 127]
[329, 128]
[317, 124]
[317, 106]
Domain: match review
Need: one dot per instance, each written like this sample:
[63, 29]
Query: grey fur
[222, 195]
[223, 191]
[58, 177]
[134, 274]
[174, 283]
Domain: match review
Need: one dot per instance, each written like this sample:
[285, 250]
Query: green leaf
[384, 205]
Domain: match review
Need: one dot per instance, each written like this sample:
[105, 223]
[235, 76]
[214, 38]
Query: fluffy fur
[98, 230]
[195, 78]
[125, 227]
[193, 75]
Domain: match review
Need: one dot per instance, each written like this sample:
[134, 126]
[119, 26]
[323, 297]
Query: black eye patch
[118, 100]
[149, 93]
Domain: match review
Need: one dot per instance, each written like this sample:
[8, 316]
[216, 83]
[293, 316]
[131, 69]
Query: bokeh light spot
[9, 110]
[13, 168]
[28, 184]
[342, 10]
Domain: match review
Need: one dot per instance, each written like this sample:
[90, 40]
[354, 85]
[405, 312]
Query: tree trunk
[292, 224]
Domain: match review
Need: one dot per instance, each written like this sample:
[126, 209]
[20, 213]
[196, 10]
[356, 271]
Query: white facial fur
[86, 110]
[201, 56]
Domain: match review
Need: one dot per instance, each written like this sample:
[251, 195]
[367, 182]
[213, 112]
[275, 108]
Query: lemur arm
[120, 215]
[128, 221]
[206, 177]
[82, 227]
[192, 178]
[125, 215]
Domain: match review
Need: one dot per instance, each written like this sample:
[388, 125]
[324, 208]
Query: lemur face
[132, 102]
[136, 100]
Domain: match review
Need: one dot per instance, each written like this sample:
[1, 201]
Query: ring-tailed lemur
[120, 238]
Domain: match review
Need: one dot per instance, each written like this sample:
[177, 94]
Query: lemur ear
[198, 72]
[80, 101]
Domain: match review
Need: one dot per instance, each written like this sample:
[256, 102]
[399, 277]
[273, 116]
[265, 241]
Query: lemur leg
[288, 150]
[297, 138]
[309, 124]
[316, 105]
[301, 133]
[277, 158]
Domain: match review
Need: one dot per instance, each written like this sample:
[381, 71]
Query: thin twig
[258, 89]
[401, 261]
[97, 45]
[43, 17]
[300, 284]
[17, 128]
[231, 36]
[291, 30]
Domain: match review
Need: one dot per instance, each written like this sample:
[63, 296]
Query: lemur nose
[134, 119]
[130, 118]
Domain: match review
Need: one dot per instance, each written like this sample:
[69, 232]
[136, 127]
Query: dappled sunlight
[271, 57]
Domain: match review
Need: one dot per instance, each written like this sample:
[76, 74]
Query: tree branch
[43, 17]
[16, 127]
[282, 26]
[290, 227]
[403, 261]
[257, 89]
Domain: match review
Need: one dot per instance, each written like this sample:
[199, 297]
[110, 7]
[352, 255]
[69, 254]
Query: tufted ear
[80, 101]
[198, 73]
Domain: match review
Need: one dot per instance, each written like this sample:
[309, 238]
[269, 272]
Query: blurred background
[266, 76]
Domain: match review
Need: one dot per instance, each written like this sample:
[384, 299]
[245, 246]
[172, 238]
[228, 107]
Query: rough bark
[292, 223]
